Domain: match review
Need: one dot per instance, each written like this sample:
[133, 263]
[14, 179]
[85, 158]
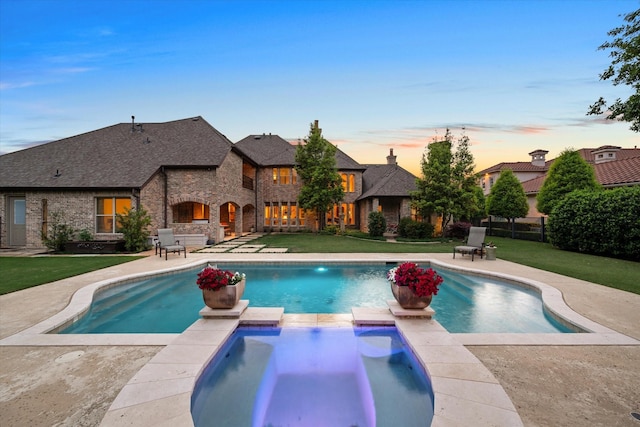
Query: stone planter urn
[490, 252]
[408, 299]
[225, 297]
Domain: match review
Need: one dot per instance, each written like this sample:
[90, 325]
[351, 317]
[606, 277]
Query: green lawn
[610, 272]
[25, 272]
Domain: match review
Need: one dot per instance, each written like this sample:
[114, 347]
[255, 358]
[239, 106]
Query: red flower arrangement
[422, 281]
[214, 278]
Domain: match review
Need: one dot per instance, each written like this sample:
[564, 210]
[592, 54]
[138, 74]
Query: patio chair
[168, 243]
[475, 243]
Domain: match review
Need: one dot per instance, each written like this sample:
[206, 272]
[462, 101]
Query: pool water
[313, 377]
[170, 303]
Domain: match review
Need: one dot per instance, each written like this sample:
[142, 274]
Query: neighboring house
[613, 167]
[186, 174]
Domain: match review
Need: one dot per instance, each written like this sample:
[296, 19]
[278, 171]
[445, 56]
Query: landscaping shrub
[458, 229]
[377, 224]
[330, 230]
[134, 228]
[411, 229]
[598, 222]
[59, 233]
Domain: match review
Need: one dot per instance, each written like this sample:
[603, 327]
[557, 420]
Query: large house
[613, 166]
[188, 176]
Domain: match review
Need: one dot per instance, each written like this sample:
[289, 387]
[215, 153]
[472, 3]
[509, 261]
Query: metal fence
[528, 228]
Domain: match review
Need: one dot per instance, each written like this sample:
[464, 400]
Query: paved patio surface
[47, 381]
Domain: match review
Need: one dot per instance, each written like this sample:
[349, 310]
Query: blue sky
[516, 75]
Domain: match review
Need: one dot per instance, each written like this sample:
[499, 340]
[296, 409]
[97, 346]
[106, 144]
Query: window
[301, 217]
[267, 214]
[106, 210]
[415, 215]
[284, 176]
[348, 182]
[278, 214]
[19, 212]
[189, 212]
[348, 210]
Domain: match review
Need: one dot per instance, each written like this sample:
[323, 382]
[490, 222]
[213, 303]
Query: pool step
[257, 316]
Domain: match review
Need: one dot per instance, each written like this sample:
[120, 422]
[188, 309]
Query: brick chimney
[391, 159]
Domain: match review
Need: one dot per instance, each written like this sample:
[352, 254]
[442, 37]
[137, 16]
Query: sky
[514, 76]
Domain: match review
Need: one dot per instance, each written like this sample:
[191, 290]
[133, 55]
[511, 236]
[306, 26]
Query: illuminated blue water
[170, 303]
[313, 377]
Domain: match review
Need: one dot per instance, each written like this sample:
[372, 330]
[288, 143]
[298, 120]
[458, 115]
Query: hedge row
[411, 229]
[601, 222]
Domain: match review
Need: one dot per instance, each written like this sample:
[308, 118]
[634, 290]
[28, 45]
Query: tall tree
[507, 198]
[447, 184]
[316, 167]
[624, 69]
[567, 173]
[465, 181]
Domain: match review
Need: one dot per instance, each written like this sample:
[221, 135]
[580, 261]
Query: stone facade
[76, 208]
[233, 197]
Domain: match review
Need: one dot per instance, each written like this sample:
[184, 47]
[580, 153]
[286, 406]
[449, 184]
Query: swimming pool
[170, 303]
[313, 377]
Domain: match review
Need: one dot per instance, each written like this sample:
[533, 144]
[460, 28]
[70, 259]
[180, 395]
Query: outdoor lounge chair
[475, 243]
[168, 243]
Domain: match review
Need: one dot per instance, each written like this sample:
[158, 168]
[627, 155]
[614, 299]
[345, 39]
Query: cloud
[73, 70]
[8, 85]
[18, 144]
[589, 121]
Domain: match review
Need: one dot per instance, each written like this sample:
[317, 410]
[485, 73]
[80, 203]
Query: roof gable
[387, 180]
[119, 156]
[267, 150]
[272, 150]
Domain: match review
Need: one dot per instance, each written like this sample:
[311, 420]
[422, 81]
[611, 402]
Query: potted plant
[220, 288]
[413, 286]
[490, 251]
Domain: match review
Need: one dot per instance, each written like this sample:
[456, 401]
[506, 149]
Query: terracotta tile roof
[621, 153]
[516, 167]
[533, 186]
[624, 170]
[620, 172]
[115, 156]
[386, 180]
[609, 174]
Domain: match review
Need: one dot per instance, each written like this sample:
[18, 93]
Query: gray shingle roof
[267, 150]
[115, 156]
[387, 180]
[272, 150]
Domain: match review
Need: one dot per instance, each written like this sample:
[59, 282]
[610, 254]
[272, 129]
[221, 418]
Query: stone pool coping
[465, 392]
[446, 363]
[40, 334]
